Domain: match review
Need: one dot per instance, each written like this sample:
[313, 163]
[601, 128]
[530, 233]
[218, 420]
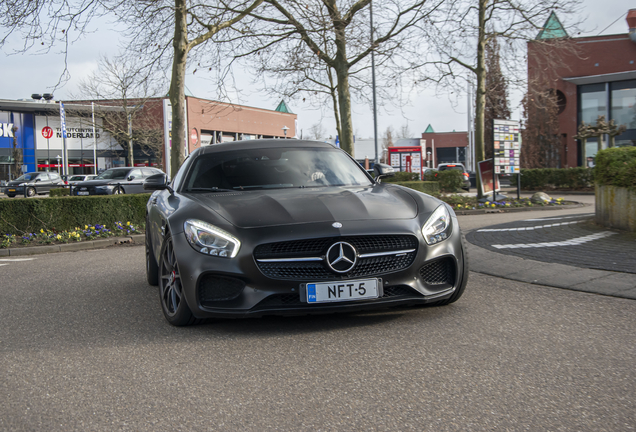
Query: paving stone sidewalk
[564, 251]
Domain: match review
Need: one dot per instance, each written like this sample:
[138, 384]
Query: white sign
[79, 133]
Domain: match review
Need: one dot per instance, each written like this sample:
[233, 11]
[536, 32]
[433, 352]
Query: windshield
[76, 178]
[27, 177]
[113, 174]
[275, 168]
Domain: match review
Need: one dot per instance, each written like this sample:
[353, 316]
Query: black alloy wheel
[30, 192]
[174, 305]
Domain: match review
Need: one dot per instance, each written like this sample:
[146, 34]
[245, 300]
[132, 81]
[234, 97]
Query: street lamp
[285, 129]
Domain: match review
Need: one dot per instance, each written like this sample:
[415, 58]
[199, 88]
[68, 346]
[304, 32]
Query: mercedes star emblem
[341, 257]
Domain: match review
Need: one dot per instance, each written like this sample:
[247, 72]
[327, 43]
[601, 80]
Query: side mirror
[157, 182]
[130, 178]
[383, 170]
[37, 180]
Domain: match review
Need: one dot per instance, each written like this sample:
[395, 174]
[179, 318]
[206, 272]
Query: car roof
[263, 143]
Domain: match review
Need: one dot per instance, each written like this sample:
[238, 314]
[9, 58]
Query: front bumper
[261, 295]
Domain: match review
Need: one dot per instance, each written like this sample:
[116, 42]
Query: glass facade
[624, 103]
[616, 101]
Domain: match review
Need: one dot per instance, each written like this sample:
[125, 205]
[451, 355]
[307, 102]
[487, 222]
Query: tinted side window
[135, 173]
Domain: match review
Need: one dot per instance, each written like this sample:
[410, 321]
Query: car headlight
[22, 184]
[210, 240]
[437, 227]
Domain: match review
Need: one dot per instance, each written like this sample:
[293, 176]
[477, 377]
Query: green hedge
[59, 192]
[421, 186]
[401, 176]
[18, 216]
[555, 178]
[616, 167]
[450, 180]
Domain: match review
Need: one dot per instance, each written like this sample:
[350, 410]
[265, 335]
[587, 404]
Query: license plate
[82, 193]
[11, 190]
[342, 291]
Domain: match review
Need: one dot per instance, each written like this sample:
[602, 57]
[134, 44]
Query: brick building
[590, 76]
[444, 147]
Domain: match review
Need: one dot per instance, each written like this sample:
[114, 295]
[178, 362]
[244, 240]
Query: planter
[616, 207]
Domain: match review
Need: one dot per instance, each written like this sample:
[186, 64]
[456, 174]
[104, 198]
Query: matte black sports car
[270, 227]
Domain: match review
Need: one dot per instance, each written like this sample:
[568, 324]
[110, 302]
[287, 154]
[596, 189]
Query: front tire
[30, 192]
[173, 302]
[118, 191]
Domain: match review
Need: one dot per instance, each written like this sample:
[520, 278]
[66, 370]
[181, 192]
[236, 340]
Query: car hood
[261, 208]
[16, 183]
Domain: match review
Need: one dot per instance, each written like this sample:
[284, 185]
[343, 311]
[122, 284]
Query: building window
[624, 103]
[592, 102]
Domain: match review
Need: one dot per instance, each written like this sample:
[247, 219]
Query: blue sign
[337, 141]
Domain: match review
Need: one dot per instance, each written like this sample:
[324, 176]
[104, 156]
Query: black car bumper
[238, 287]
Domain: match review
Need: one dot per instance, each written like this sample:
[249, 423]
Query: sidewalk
[562, 249]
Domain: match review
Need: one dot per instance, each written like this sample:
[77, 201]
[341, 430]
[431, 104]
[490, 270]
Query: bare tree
[460, 32]
[496, 106]
[123, 82]
[316, 131]
[404, 132]
[337, 35]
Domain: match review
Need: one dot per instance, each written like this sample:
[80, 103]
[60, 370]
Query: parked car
[34, 183]
[280, 227]
[457, 167]
[75, 179]
[114, 181]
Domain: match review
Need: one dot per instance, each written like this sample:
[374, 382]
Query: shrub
[59, 192]
[616, 167]
[431, 188]
[450, 180]
[401, 176]
[555, 178]
[66, 213]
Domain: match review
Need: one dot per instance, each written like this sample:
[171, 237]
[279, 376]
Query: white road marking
[572, 242]
[3, 264]
[16, 259]
[529, 228]
[587, 215]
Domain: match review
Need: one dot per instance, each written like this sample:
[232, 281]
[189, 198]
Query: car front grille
[317, 248]
[439, 272]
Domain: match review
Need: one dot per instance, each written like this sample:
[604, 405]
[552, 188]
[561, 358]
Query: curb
[71, 247]
[516, 209]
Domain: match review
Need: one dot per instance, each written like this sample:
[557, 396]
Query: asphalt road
[84, 346]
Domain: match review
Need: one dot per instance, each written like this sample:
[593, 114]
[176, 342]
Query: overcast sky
[24, 74]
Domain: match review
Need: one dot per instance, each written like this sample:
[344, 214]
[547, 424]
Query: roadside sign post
[506, 149]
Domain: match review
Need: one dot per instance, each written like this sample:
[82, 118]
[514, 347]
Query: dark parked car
[34, 182]
[457, 167]
[269, 227]
[113, 181]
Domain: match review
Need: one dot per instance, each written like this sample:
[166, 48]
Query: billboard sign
[506, 146]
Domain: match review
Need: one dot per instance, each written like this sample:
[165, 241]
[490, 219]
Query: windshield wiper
[212, 189]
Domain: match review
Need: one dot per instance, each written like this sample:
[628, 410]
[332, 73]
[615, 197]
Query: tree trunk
[344, 101]
[131, 156]
[336, 112]
[177, 87]
[480, 94]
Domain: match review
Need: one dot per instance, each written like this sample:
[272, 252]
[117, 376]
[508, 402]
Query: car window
[135, 173]
[148, 172]
[77, 178]
[27, 177]
[275, 168]
[54, 176]
[113, 174]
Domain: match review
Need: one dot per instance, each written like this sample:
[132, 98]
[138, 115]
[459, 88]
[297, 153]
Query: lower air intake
[439, 272]
[213, 288]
